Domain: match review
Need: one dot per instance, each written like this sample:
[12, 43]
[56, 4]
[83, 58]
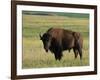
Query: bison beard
[57, 40]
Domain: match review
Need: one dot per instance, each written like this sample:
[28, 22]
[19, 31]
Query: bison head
[46, 39]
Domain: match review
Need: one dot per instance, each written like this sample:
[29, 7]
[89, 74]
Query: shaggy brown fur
[57, 40]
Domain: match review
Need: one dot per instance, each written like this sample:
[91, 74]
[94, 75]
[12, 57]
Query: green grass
[34, 56]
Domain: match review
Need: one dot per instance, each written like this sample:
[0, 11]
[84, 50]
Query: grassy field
[34, 55]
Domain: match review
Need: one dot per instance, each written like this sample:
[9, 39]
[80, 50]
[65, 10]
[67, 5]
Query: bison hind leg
[75, 52]
[80, 53]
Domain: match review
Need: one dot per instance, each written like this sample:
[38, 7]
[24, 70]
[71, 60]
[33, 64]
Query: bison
[57, 40]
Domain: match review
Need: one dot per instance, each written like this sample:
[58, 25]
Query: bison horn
[40, 36]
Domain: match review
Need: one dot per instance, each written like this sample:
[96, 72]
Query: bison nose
[46, 49]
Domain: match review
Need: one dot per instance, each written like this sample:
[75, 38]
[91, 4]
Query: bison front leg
[58, 54]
